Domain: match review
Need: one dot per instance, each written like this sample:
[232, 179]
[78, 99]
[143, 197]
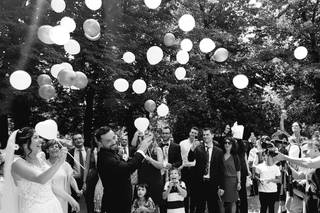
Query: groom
[115, 172]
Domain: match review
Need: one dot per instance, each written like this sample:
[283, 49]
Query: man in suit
[171, 156]
[126, 151]
[79, 153]
[115, 172]
[208, 173]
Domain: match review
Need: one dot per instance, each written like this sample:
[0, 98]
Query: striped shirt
[174, 199]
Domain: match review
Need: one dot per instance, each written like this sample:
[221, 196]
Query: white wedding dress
[35, 197]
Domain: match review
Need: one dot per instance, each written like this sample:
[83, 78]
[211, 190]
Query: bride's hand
[75, 206]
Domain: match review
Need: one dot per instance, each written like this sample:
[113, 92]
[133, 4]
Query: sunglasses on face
[228, 143]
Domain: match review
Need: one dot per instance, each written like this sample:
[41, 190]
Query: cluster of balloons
[46, 89]
[162, 109]
[20, 80]
[60, 35]
[121, 85]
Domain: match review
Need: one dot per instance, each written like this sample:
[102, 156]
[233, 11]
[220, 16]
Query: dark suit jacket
[216, 164]
[174, 155]
[115, 176]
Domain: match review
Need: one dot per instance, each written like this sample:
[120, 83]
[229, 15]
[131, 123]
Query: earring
[16, 147]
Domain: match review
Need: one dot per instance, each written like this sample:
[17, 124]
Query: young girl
[142, 202]
[268, 175]
[175, 192]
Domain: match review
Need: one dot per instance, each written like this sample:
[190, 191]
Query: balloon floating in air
[47, 91]
[240, 81]
[139, 86]
[187, 23]
[121, 85]
[150, 105]
[20, 80]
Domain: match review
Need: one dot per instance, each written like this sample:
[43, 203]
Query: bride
[27, 177]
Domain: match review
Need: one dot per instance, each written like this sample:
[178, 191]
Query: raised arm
[24, 170]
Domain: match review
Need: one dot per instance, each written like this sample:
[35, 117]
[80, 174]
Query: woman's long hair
[23, 137]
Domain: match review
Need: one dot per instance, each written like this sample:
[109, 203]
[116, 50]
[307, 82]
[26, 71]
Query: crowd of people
[155, 174]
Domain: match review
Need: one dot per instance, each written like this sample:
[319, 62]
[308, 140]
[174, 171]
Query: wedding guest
[175, 192]
[78, 162]
[150, 172]
[63, 178]
[142, 202]
[209, 172]
[232, 179]
[187, 168]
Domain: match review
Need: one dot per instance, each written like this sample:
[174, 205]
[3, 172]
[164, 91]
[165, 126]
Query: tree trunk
[20, 109]
[88, 117]
[4, 130]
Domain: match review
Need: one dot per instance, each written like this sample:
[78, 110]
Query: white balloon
[81, 80]
[55, 69]
[154, 55]
[152, 4]
[187, 23]
[59, 35]
[58, 6]
[300, 53]
[93, 4]
[47, 91]
[139, 86]
[121, 85]
[129, 57]
[221, 54]
[72, 47]
[207, 45]
[43, 34]
[169, 39]
[141, 124]
[91, 28]
[186, 45]
[182, 57]
[162, 110]
[66, 77]
[20, 80]
[47, 129]
[68, 23]
[240, 81]
[180, 73]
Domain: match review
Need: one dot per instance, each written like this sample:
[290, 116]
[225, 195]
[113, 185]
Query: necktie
[125, 150]
[81, 162]
[207, 158]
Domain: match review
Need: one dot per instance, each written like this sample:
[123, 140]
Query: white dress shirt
[210, 154]
[76, 167]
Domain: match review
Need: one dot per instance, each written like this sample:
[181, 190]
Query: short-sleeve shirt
[267, 172]
[174, 199]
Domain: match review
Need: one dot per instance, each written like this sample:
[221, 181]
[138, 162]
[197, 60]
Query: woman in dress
[63, 178]
[93, 184]
[232, 177]
[28, 177]
[150, 172]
